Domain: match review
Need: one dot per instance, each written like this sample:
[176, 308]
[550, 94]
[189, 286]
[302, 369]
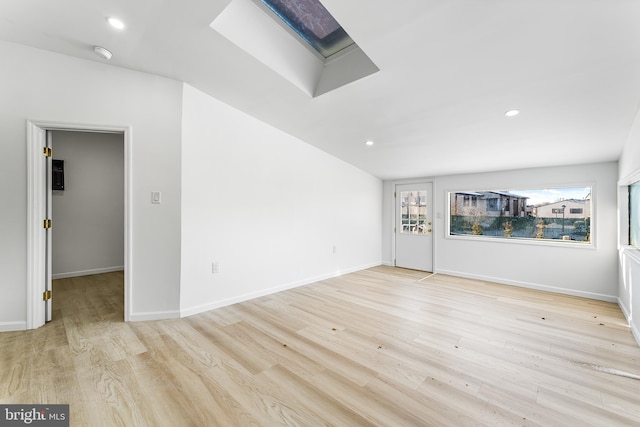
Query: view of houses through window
[562, 214]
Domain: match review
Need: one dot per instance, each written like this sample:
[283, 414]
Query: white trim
[246, 297]
[623, 308]
[630, 179]
[12, 326]
[635, 332]
[154, 315]
[35, 209]
[36, 140]
[623, 206]
[86, 272]
[522, 240]
[536, 286]
[592, 244]
[128, 222]
[623, 216]
[632, 326]
[631, 252]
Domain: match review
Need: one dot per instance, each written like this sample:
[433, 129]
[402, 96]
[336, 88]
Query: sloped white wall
[40, 85]
[268, 208]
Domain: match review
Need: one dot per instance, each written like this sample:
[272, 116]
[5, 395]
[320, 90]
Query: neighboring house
[488, 203]
[570, 208]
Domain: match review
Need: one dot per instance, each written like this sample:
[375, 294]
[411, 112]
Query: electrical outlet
[215, 267]
[334, 249]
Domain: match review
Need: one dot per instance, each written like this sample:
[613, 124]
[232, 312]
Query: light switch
[156, 197]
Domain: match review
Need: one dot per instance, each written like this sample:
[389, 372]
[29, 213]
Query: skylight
[297, 39]
[313, 23]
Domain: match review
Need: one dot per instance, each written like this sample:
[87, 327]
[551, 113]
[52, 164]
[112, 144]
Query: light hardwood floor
[383, 346]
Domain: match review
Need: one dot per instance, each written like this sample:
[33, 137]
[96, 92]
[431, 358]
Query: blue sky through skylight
[311, 21]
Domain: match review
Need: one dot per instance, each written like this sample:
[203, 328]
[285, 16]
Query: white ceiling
[449, 69]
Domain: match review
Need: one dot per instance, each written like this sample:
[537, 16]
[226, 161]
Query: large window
[557, 214]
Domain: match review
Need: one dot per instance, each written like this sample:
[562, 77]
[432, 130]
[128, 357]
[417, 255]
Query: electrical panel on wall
[57, 175]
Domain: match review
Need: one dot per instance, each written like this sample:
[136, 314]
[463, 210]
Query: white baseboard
[154, 315]
[625, 312]
[246, 297]
[537, 286]
[13, 326]
[635, 332]
[86, 272]
[624, 309]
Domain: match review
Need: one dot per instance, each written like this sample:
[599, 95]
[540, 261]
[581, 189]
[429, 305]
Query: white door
[48, 201]
[414, 226]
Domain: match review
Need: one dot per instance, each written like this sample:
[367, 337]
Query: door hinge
[47, 224]
[46, 295]
[394, 194]
[47, 152]
[394, 230]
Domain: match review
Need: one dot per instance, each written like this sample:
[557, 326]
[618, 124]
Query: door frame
[37, 208]
[394, 217]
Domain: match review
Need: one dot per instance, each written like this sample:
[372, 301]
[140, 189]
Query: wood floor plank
[380, 347]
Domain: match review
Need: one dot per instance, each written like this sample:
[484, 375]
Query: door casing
[37, 188]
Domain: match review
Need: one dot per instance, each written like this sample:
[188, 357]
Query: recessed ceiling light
[102, 52]
[116, 23]
[512, 113]
[369, 143]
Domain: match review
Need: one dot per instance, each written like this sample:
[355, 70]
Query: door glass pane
[414, 212]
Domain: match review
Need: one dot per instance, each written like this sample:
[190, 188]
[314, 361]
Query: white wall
[40, 85]
[629, 278]
[267, 207]
[88, 216]
[589, 272]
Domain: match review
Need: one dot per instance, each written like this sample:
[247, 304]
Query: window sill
[571, 244]
[631, 252]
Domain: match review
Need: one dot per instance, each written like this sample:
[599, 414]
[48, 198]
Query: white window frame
[592, 244]
[623, 212]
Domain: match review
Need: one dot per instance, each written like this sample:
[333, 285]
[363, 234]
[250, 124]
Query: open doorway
[87, 206]
[40, 247]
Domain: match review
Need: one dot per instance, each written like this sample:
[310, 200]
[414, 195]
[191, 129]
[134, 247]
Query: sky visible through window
[538, 197]
[313, 23]
[560, 214]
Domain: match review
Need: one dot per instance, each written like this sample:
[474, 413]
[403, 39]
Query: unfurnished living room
[305, 213]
